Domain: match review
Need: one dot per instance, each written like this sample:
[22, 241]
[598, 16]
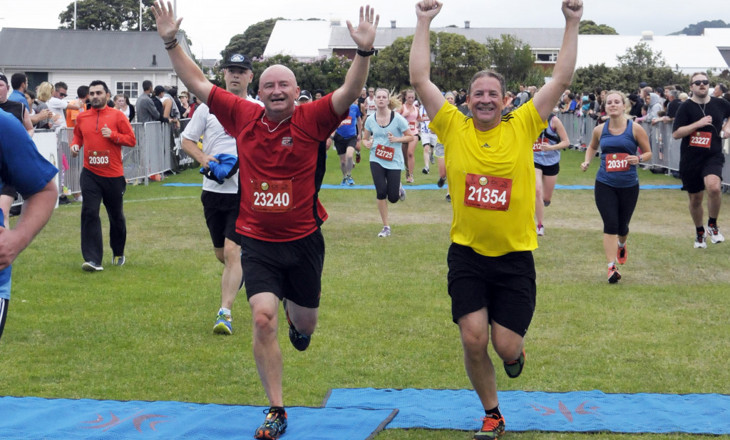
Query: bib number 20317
[488, 192]
[271, 195]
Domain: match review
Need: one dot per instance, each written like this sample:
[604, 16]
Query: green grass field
[144, 331]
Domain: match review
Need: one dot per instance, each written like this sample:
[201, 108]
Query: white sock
[611, 264]
[225, 311]
[621, 244]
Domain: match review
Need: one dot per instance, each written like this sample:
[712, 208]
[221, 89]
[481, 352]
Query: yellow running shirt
[491, 177]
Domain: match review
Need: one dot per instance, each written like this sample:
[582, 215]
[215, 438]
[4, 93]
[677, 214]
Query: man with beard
[102, 131]
[699, 123]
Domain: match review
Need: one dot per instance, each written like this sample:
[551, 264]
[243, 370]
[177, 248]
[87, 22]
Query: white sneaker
[401, 194]
[385, 232]
[700, 242]
[715, 235]
[540, 231]
[90, 266]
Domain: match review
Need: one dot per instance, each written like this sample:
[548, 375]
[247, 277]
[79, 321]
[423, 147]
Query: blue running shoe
[223, 324]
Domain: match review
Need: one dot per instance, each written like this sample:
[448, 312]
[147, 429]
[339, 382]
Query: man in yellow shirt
[491, 177]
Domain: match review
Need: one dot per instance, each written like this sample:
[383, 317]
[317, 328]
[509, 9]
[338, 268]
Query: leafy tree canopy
[589, 27]
[252, 42]
[108, 15]
[699, 28]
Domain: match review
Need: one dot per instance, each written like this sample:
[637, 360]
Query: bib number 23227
[271, 195]
[700, 139]
[488, 192]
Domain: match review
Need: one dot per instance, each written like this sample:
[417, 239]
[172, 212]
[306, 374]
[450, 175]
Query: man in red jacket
[102, 131]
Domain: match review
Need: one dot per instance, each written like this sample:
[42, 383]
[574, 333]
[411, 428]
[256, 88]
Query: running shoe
[119, 260]
[409, 179]
[223, 324]
[344, 181]
[700, 242]
[274, 425]
[401, 194]
[90, 266]
[441, 182]
[357, 157]
[540, 230]
[385, 232]
[425, 171]
[448, 198]
[622, 254]
[715, 235]
[300, 341]
[350, 182]
[492, 427]
[514, 368]
[613, 275]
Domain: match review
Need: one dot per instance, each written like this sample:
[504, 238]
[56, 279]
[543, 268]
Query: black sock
[700, 230]
[712, 222]
[493, 412]
[279, 409]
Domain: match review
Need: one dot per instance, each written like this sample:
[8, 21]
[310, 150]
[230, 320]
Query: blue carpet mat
[37, 418]
[432, 186]
[577, 411]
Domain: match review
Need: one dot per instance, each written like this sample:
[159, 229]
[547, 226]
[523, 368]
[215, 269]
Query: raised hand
[428, 8]
[167, 25]
[364, 34]
[572, 9]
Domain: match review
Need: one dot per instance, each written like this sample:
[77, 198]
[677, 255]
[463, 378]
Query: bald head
[278, 91]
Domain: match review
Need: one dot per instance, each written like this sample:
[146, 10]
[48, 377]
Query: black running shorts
[504, 285]
[291, 270]
[221, 211]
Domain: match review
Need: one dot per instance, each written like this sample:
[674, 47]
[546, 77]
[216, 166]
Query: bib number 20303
[271, 195]
[487, 192]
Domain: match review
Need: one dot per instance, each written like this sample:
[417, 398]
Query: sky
[210, 24]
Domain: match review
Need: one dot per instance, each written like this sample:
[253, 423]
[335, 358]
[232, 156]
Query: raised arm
[549, 94]
[364, 37]
[419, 65]
[185, 68]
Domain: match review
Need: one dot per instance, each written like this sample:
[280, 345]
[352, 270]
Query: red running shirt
[103, 156]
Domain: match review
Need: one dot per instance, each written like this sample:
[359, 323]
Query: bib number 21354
[488, 192]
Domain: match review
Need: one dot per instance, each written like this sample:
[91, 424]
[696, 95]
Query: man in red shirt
[102, 131]
[281, 168]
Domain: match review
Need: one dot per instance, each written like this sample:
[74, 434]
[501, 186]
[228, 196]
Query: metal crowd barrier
[158, 151]
[664, 148]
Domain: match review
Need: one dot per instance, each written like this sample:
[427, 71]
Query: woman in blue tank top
[546, 153]
[623, 146]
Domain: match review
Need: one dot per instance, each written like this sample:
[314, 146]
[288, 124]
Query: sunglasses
[62, 95]
[701, 81]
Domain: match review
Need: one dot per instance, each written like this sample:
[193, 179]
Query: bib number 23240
[487, 192]
[271, 195]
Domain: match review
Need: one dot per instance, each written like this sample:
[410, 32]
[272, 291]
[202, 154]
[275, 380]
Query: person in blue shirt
[33, 177]
[19, 82]
[346, 139]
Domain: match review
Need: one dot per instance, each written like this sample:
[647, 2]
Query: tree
[108, 15]
[639, 64]
[511, 58]
[589, 27]
[699, 28]
[252, 42]
[456, 60]
[389, 68]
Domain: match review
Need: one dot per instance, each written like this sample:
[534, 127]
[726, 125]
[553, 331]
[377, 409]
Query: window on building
[546, 57]
[130, 88]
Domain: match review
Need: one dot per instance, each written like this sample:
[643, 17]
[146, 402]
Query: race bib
[271, 195]
[538, 145]
[700, 139]
[617, 162]
[412, 126]
[385, 153]
[99, 158]
[346, 121]
[487, 192]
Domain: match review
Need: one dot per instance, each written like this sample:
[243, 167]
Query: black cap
[238, 60]
[304, 95]
[4, 79]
